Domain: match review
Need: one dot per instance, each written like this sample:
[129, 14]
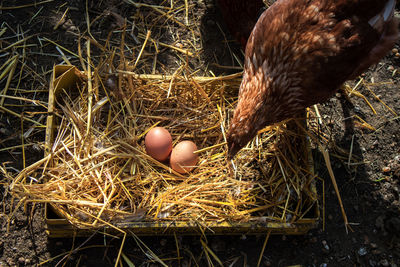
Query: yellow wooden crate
[57, 226]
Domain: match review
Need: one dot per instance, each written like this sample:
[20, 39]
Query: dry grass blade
[26, 5]
[147, 251]
[263, 249]
[331, 174]
[209, 250]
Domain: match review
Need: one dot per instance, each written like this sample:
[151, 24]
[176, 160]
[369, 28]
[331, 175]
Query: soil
[368, 182]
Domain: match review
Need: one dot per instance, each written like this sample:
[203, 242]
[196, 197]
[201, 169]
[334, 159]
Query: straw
[97, 171]
[93, 172]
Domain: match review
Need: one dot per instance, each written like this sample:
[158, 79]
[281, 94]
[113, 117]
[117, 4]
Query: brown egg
[183, 159]
[158, 143]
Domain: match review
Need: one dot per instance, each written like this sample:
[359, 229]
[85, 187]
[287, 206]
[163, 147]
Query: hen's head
[266, 96]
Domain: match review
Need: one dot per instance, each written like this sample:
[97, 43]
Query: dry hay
[98, 171]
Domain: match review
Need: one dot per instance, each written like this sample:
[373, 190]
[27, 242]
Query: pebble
[384, 263]
[358, 110]
[325, 244]
[375, 143]
[21, 260]
[395, 50]
[362, 251]
[397, 54]
[366, 240]
[373, 245]
[386, 169]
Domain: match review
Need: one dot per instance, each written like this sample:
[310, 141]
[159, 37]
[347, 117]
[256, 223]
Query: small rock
[375, 143]
[366, 240]
[395, 50]
[21, 260]
[386, 169]
[27, 262]
[358, 110]
[384, 263]
[325, 244]
[362, 251]
[397, 54]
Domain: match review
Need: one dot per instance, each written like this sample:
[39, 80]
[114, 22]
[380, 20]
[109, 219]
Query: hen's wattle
[300, 52]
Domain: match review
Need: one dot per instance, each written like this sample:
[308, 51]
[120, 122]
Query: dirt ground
[369, 185]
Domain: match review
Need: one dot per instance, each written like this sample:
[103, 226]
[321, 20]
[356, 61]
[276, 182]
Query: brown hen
[300, 52]
[240, 16]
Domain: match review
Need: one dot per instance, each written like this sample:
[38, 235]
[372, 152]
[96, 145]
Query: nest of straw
[98, 173]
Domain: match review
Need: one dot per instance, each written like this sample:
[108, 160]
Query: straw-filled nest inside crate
[97, 171]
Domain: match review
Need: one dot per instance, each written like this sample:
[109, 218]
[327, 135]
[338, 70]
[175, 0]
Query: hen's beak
[233, 149]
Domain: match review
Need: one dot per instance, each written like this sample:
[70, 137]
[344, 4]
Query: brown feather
[300, 52]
